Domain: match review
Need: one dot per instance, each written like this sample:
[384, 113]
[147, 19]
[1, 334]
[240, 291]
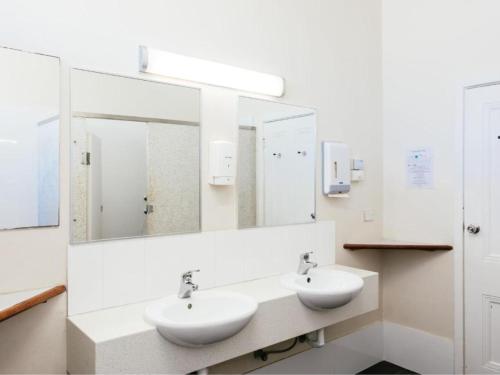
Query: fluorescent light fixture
[11, 141]
[208, 72]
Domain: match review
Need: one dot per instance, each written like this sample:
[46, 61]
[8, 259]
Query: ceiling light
[208, 72]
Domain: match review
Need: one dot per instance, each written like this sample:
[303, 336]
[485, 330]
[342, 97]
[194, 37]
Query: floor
[386, 368]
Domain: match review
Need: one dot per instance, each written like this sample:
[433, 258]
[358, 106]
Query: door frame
[459, 224]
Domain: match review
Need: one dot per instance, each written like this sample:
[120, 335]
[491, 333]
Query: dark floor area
[386, 368]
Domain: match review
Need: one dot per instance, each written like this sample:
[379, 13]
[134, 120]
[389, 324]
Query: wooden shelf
[22, 301]
[385, 245]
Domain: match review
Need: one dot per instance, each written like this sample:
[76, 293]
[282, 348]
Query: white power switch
[222, 163]
[357, 170]
[368, 215]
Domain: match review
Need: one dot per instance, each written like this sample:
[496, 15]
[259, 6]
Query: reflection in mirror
[135, 157]
[276, 163]
[29, 139]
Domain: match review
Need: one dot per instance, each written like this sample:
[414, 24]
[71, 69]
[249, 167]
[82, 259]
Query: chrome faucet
[305, 264]
[187, 286]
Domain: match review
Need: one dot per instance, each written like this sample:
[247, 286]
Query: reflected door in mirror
[289, 170]
[276, 164]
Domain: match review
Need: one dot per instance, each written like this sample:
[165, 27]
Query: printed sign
[419, 169]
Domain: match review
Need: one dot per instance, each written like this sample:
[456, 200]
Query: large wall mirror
[276, 163]
[29, 139]
[135, 157]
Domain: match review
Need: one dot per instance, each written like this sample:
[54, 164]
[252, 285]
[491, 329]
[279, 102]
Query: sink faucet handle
[305, 256]
[305, 263]
[186, 276]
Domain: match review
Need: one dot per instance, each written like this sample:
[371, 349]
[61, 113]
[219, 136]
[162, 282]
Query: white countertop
[105, 325]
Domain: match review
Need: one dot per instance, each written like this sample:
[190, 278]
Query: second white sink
[324, 289]
[204, 318]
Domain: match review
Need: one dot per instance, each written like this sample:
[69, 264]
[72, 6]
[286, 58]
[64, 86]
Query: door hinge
[85, 158]
[149, 209]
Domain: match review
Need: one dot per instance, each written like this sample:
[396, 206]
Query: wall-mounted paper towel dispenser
[336, 169]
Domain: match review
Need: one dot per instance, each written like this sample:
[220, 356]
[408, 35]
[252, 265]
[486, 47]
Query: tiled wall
[113, 273]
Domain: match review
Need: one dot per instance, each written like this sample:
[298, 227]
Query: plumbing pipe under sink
[316, 339]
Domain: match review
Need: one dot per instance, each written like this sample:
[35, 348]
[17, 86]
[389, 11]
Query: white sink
[324, 289]
[204, 318]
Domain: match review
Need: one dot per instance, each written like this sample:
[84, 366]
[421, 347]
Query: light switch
[357, 164]
[368, 215]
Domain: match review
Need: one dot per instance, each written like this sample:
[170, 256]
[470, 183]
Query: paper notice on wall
[419, 169]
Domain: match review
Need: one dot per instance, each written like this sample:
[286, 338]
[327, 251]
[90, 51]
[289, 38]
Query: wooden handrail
[10, 311]
[396, 246]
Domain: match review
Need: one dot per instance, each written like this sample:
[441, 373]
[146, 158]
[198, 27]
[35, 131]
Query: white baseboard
[417, 350]
[407, 347]
[346, 355]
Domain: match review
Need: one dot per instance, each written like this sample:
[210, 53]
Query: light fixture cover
[197, 70]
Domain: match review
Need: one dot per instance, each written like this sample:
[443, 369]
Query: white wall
[429, 48]
[327, 50]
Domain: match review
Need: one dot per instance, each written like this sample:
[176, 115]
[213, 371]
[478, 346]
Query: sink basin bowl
[324, 289]
[204, 318]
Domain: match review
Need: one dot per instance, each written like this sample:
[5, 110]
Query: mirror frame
[118, 117]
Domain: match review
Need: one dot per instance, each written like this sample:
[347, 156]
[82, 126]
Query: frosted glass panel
[29, 139]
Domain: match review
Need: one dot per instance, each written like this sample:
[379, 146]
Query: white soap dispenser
[336, 169]
[222, 163]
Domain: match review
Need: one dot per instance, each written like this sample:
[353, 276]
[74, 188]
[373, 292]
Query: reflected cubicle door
[276, 173]
[135, 158]
[29, 139]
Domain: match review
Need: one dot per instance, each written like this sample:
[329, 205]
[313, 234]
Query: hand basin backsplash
[114, 273]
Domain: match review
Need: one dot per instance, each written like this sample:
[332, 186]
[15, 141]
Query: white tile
[269, 251]
[325, 233]
[161, 261]
[166, 258]
[232, 254]
[302, 239]
[260, 252]
[127, 271]
[123, 278]
[85, 283]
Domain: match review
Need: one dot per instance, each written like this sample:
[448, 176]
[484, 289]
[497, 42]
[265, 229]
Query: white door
[482, 234]
[94, 188]
[289, 174]
[123, 155]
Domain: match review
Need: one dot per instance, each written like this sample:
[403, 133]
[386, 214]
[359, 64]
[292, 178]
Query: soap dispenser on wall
[336, 169]
[222, 163]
